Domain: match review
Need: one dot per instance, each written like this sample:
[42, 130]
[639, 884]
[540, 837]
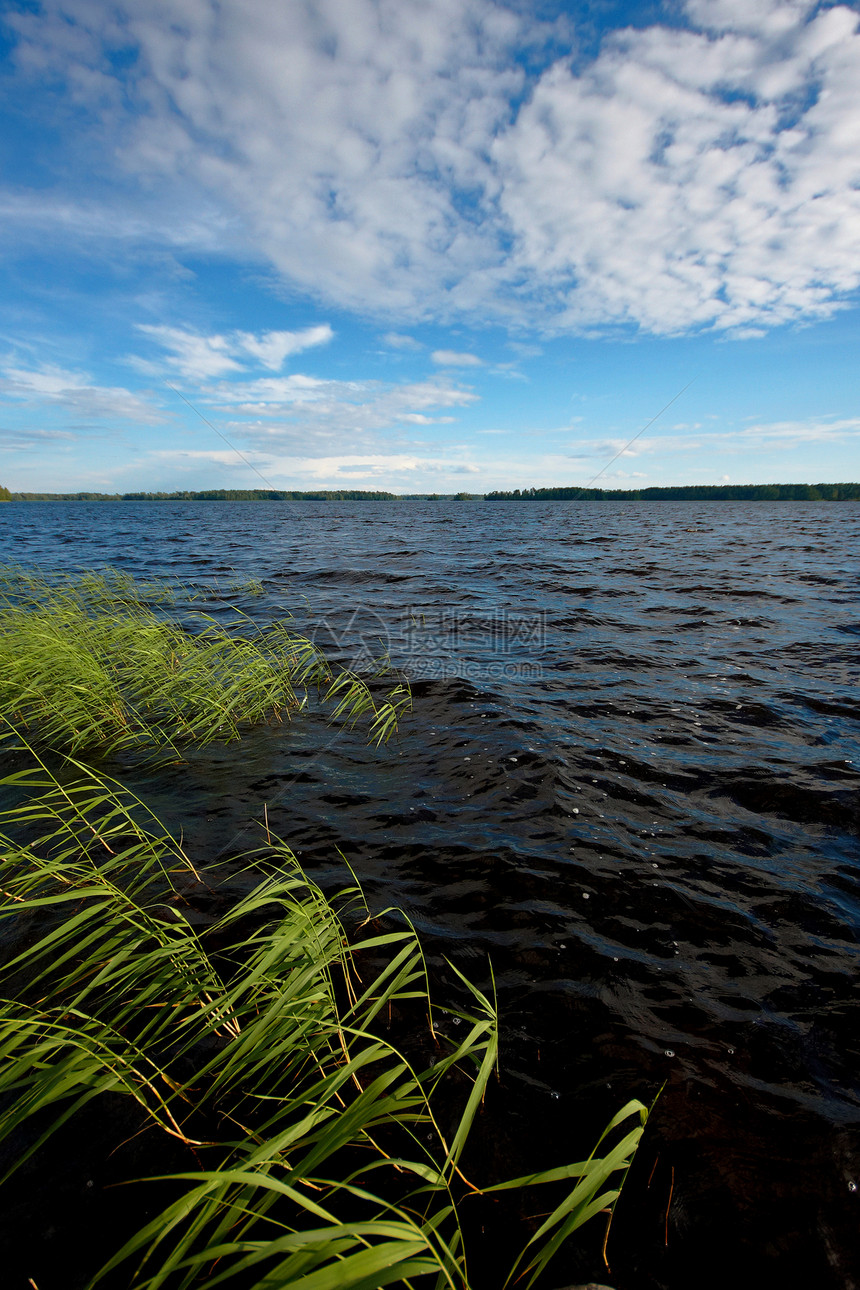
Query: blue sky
[428, 245]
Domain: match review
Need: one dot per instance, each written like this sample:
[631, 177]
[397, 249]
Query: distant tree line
[688, 492]
[242, 495]
[214, 495]
[263, 495]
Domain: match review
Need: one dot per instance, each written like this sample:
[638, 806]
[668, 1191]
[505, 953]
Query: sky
[428, 245]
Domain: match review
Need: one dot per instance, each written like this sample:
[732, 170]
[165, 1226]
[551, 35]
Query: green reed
[98, 661]
[318, 1155]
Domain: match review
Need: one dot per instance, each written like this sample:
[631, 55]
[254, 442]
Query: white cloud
[761, 17]
[791, 434]
[149, 225]
[335, 469]
[397, 158]
[377, 466]
[76, 394]
[30, 440]
[687, 180]
[272, 347]
[198, 357]
[343, 138]
[273, 392]
[766, 436]
[203, 357]
[311, 414]
[397, 340]
[451, 358]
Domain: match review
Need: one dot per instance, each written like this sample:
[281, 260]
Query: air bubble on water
[852, 1186]
[670, 1052]
[455, 1021]
[555, 1096]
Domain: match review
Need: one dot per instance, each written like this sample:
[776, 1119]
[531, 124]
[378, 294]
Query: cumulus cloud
[334, 470]
[198, 357]
[76, 394]
[397, 340]
[273, 347]
[311, 413]
[204, 357]
[690, 179]
[297, 408]
[763, 18]
[273, 392]
[403, 157]
[451, 358]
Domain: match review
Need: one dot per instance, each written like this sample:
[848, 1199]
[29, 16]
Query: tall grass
[99, 662]
[318, 1154]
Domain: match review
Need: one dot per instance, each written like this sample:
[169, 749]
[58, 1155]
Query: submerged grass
[319, 1155]
[97, 662]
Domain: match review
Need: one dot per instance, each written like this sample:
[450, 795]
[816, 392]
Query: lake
[630, 780]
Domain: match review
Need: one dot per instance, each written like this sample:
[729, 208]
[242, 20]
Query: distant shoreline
[685, 492]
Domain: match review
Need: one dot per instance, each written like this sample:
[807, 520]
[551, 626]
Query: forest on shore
[681, 492]
[687, 493]
[241, 495]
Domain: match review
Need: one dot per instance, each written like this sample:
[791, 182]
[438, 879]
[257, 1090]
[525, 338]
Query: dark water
[630, 777]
